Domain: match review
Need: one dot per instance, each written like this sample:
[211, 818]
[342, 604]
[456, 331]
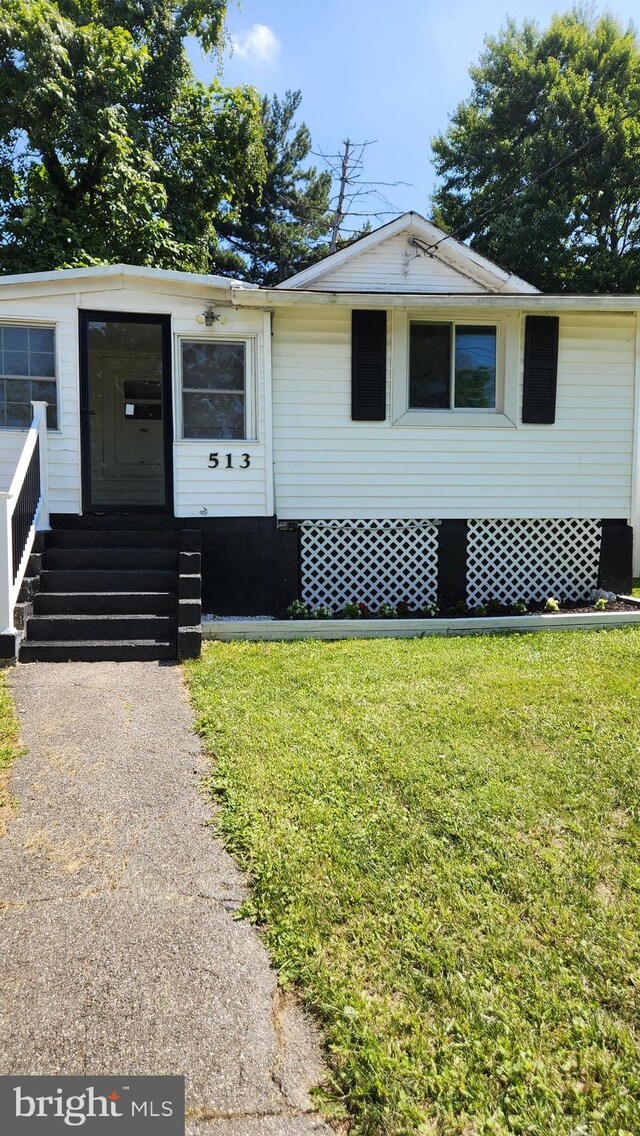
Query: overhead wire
[533, 181]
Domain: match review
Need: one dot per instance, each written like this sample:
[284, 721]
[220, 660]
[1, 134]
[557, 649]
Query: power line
[537, 177]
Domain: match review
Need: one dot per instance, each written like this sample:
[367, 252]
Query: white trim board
[227, 630]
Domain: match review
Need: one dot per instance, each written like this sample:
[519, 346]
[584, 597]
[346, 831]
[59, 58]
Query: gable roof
[426, 237]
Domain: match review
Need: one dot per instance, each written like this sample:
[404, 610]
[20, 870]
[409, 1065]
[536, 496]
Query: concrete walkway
[120, 952]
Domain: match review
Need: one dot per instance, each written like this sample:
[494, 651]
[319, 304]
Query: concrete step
[95, 650]
[104, 603]
[71, 628]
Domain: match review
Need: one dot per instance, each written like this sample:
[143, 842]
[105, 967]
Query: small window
[27, 374]
[214, 395]
[452, 367]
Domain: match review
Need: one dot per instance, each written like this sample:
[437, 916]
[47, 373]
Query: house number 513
[214, 461]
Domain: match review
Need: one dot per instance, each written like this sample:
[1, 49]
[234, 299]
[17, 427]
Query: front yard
[443, 841]
[9, 747]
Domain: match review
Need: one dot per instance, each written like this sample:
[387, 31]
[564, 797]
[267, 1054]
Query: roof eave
[526, 301]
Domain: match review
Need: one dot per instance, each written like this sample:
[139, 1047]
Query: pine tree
[288, 227]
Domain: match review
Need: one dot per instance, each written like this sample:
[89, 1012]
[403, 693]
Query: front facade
[402, 421]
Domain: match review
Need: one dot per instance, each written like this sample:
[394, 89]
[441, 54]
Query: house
[401, 420]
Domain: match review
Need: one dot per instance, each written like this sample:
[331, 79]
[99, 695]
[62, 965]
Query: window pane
[41, 339]
[122, 336]
[429, 366]
[16, 363]
[213, 366]
[18, 414]
[213, 415]
[15, 338]
[18, 391]
[475, 380]
[44, 392]
[41, 364]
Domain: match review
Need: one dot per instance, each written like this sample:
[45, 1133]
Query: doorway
[125, 385]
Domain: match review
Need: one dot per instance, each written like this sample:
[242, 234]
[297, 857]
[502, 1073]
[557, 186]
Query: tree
[110, 150]
[540, 166]
[288, 227]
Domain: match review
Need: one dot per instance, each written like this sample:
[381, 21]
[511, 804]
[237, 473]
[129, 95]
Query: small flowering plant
[551, 605]
[323, 611]
[351, 610]
[298, 610]
[429, 611]
[364, 610]
[403, 608]
[387, 611]
[601, 604]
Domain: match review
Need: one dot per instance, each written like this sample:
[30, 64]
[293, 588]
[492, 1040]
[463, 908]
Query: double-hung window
[215, 394]
[27, 374]
[452, 366]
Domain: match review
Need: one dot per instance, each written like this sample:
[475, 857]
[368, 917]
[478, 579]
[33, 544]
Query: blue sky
[368, 69]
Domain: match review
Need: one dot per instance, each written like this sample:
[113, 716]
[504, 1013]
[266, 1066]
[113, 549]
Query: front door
[126, 411]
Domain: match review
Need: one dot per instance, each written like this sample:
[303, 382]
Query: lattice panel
[532, 559]
[369, 561]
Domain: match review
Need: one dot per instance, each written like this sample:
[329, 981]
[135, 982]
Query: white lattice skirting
[532, 559]
[369, 561]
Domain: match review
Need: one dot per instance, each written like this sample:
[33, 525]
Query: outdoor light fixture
[208, 316]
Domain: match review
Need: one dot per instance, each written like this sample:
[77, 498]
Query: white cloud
[259, 45]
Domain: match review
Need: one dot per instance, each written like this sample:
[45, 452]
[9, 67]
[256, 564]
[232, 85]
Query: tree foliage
[566, 97]
[110, 149]
[288, 227]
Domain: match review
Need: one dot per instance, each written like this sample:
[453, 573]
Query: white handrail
[10, 587]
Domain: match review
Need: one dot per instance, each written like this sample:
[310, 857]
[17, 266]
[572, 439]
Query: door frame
[86, 315]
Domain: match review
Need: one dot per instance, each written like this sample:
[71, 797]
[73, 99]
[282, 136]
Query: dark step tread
[112, 538]
[134, 558]
[105, 603]
[96, 650]
[112, 626]
[157, 521]
[108, 580]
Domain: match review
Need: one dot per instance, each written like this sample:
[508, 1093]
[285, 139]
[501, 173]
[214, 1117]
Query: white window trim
[505, 414]
[53, 325]
[250, 404]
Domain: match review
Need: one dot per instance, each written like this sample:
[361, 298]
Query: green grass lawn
[9, 747]
[443, 842]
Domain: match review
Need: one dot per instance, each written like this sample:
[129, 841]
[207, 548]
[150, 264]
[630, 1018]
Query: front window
[452, 366]
[214, 389]
[27, 374]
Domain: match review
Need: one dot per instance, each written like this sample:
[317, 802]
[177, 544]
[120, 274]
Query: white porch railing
[24, 510]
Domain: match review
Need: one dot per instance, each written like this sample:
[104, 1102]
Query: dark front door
[126, 411]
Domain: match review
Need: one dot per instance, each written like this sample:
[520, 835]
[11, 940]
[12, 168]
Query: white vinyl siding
[242, 490]
[395, 266]
[198, 490]
[328, 466]
[48, 309]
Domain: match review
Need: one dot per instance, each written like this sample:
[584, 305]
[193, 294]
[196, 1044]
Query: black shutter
[368, 366]
[540, 369]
